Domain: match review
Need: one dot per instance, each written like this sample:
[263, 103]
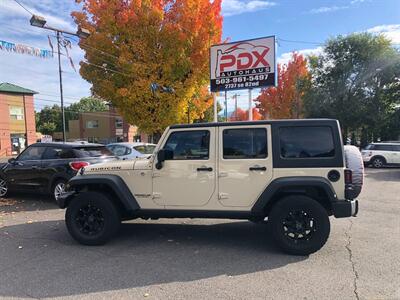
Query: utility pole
[61, 87]
[40, 22]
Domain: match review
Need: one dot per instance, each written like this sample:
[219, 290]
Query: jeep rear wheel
[299, 224]
[92, 219]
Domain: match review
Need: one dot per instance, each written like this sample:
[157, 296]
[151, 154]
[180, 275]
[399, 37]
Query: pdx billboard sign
[243, 65]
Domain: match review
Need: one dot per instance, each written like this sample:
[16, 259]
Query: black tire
[307, 216]
[92, 218]
[4, 190]
[378, 162]
[55, 188]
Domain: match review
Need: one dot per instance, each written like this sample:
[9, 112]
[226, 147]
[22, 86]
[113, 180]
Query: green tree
[48, 120]
[356, 80]
[86, 104]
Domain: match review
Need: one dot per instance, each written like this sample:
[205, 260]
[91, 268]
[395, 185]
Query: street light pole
[61, 87]
[40, 22]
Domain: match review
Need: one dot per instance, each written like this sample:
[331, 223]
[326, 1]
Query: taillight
[76, 165]
[348, 176]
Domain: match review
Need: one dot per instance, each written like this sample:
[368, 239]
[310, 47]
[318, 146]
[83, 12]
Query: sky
[301, 26]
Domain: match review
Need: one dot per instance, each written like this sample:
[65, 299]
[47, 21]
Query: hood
[118, 165]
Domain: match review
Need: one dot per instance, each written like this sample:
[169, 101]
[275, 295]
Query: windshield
[145, 149]
[96, 151]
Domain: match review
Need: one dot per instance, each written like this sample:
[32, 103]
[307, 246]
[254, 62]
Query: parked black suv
[46, 167]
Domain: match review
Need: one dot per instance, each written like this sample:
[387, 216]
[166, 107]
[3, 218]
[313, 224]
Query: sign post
[215, 107]
[243, 65]
[250, 108]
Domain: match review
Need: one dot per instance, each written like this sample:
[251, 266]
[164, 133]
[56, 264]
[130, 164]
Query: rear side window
[306, 142]
[52, 153]
[384, 147]
[96, 151]
[244, 143]
[145, 149]
[189, 144]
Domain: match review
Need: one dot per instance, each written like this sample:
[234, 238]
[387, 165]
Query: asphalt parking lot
[202, 259]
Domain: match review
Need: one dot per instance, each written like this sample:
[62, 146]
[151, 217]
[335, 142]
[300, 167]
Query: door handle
[207, 169]
[258, 168]
[35, 167]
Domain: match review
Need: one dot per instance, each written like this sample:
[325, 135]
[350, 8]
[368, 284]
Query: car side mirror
[12, 161]
[163, 155]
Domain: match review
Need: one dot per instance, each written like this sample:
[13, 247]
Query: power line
[299, 42]
[27, 10]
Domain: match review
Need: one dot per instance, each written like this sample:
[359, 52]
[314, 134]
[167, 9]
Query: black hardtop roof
[287, 122]
[68, 145]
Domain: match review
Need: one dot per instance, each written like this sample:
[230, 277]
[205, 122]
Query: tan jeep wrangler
[290, 174]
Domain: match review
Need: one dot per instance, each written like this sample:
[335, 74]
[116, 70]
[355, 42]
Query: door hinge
[223, 196]
[156, 195]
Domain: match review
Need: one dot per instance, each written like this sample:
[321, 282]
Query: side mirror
[163, 155]
[12, 161]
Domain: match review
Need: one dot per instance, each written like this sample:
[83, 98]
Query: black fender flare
[295, 184]
[113, 182]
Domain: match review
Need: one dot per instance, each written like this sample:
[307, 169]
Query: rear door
[245, 163]
[396, 154]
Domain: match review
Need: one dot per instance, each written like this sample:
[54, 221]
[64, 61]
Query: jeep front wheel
[299, 224]
[92, 218]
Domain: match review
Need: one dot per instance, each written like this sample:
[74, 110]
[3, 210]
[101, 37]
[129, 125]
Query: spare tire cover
[355, 162]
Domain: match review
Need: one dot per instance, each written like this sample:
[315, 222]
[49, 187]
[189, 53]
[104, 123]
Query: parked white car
[131, 150]
[379, 155]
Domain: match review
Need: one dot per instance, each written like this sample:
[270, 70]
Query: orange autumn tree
[285, 100]
[136, 43]
[243, 115]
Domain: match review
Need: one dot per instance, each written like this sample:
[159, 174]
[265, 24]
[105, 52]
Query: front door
[245, 164]
[25, 172]
[187, 180]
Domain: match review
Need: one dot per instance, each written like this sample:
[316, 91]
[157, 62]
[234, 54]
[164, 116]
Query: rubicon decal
[243, 65]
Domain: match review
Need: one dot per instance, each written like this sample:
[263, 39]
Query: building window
[16, 113]
[119, 122]
[92, 124]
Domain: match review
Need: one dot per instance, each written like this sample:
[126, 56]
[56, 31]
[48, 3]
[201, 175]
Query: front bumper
[345, 208]
[366, 159]
[62, 200]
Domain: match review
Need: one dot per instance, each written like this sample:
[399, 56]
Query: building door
[188, 179]
[245, 164]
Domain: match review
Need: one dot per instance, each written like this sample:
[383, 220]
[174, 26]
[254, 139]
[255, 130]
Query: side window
[119, 150]
[189, 144]
[67, 153]
[306, 142]
[32, 153]
[52, 153]
[244, 143]
[384, 147]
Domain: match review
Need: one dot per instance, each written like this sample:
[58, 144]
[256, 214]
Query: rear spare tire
[355, 162]
[92, 218]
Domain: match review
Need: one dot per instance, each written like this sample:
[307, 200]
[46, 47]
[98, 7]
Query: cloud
[326, 9]
[236, 7]
[392, 32]
[284, 58]
[36, 73]
[13, 10]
